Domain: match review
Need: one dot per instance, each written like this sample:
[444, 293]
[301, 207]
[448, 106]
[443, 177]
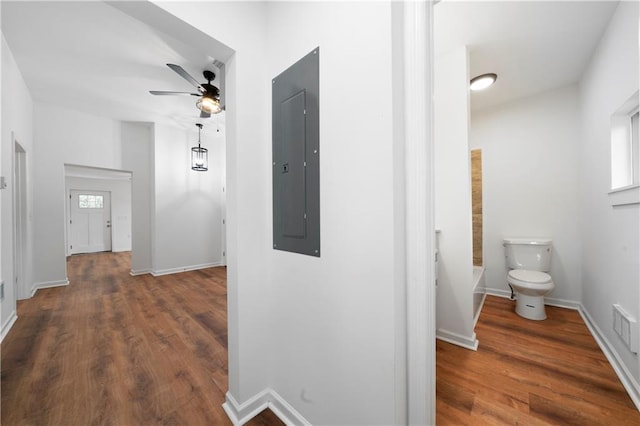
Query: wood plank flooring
[530, 373]
[112, 349]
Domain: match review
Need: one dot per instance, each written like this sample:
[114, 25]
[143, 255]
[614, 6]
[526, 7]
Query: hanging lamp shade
[199, 155]
[208, 104]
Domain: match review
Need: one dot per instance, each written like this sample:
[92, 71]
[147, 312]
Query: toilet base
[530, 307]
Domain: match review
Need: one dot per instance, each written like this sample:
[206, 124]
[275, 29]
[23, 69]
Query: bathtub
[479, 291]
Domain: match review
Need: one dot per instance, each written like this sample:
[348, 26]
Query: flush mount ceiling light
[199, 155]
[483, 81]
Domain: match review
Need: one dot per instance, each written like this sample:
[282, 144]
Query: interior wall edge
[159, 272]
[467, 342]
[240, 414]
[48, 284]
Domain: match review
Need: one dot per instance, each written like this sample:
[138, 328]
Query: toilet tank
[533, 254]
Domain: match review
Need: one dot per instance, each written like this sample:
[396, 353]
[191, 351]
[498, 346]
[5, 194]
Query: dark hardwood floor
[529, 373]
[112, 349]
[115, 349]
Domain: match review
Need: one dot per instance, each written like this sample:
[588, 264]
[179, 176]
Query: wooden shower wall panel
[476, 204]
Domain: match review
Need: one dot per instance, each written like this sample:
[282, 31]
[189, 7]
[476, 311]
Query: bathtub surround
[476, 205]
[479, 292]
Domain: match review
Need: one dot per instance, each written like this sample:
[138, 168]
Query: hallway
[111, 348]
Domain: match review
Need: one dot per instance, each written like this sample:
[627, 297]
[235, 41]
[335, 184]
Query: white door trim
[101, 229]
[19, 220]
[419, 214]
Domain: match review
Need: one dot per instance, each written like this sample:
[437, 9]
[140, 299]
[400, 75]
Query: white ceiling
[533, 46]
[93, 57]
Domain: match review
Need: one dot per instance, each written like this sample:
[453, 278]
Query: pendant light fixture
[199, 155]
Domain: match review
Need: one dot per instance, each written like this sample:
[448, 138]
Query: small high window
[90, 201]
[624, 145]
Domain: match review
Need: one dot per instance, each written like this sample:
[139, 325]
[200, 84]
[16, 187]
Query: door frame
[93, 179]
[70, 208]
[19, 220]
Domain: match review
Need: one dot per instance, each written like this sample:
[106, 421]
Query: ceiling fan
[209, 95]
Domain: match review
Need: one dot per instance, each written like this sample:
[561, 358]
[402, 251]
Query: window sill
[624, 196]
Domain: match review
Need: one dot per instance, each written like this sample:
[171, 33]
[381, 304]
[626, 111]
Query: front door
[90, 222]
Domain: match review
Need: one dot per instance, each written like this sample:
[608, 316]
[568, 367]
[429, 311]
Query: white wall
[120, 191]
[177, 202]
[530, 183]
[454, 308]
[17, 119]
[242, 26]
[188, 204]
[137, 156]
[340, 309]
[610, 236]
[72, 137]
[321, 332]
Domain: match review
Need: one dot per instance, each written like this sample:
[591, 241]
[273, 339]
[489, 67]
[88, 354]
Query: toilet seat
[528, 278]
[530, 288]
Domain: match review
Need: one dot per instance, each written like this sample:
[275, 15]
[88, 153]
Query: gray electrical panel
[296, 157]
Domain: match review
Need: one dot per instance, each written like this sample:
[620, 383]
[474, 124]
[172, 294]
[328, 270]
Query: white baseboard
[160, 272]
[628, 381]
[7, 325]
[458, 339]
[48, 284]
[239, 414]
[120, 249]
[498, 292]
[551, 301]
[135, 272]
[475, 319]
[562, 303]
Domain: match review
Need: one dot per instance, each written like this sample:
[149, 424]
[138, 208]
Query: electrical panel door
[296, 157]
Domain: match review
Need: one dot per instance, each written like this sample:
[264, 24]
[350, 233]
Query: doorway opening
[98, 210]
[20, 221]
[90, 221]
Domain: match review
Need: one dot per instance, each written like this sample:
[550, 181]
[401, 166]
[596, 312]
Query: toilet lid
[536, 277]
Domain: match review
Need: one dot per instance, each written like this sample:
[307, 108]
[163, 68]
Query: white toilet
[529, 260]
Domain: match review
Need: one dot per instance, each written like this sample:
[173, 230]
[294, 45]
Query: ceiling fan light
[483, 81]
[209, 105]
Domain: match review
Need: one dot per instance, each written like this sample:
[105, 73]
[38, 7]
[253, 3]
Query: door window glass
[90, 201]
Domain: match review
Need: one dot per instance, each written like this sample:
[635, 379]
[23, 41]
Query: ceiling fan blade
[204, 114]
[186, 76]
[162, 92]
